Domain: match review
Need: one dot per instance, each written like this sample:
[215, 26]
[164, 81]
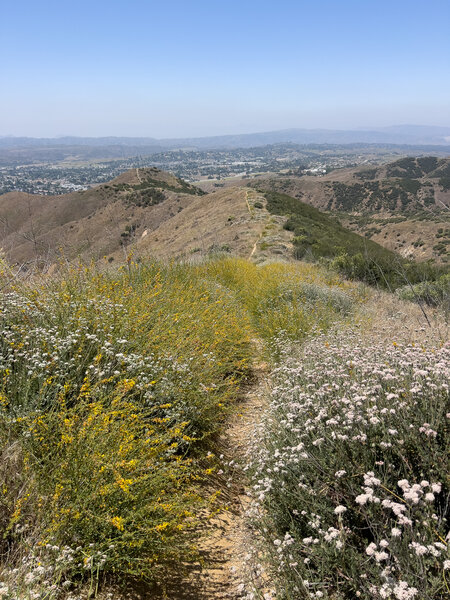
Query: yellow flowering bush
[108, 480]
[287, 299]
[113, 385]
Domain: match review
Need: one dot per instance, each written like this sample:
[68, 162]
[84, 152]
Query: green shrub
[444, 182]
[384, 271]
[318, 235]
[433, 293]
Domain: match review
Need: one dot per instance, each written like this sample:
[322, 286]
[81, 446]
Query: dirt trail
[255, 246]
[229, 541]
[247, 202]
[225, 543]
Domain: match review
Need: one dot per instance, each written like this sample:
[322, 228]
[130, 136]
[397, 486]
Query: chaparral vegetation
[350, 480]
[113, 387]
[116, 383]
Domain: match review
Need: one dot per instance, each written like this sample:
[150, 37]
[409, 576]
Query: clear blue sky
[194, 67]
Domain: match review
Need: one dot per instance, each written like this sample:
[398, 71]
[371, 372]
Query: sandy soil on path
[226, 541]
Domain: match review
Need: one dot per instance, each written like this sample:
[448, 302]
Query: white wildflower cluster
[417, 492]
[352, 459]
[399, 590]
[53, 354]
[378, 553]
[44, 573]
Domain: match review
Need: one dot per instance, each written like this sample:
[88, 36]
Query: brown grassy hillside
[143, 211]
[92, 223]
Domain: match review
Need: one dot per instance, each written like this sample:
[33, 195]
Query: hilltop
[92, 223]
[148, 212]
[142, 211]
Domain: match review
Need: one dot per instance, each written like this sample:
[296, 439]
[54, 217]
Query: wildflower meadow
[350, 483]
[113, 386]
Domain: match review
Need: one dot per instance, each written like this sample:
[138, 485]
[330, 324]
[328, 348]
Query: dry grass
[100, 223]
[386, 317]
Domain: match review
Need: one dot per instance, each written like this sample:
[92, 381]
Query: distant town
[60, 177]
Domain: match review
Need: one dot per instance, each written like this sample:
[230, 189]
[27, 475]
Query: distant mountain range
[399, 134]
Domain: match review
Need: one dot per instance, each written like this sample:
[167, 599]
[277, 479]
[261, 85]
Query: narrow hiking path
[228, 567]
[229, 541]
[262, 216]
[247, 202]
[225, 542]
[255, 246]
[273, 240]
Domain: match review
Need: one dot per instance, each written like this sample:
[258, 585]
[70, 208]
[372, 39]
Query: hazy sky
[189, 68]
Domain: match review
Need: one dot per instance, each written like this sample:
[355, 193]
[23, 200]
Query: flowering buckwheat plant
[350, 475]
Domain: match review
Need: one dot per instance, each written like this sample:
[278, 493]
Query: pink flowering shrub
[350, 484]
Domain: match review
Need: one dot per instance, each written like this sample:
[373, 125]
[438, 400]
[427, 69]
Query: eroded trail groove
[225, 543]
[229, 541]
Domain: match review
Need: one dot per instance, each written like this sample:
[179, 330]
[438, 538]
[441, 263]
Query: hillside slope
[97, 222]
[403, 205]
[142, 212]
[147, 212]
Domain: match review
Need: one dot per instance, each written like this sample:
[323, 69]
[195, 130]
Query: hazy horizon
[234, 133]
[196, 69]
